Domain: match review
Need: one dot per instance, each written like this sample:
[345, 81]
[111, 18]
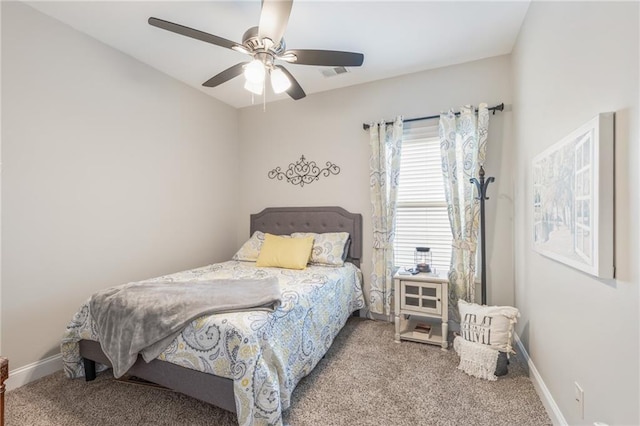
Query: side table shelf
[422, 308]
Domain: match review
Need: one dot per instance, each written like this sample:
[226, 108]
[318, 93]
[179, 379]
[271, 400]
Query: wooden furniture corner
[4, 375]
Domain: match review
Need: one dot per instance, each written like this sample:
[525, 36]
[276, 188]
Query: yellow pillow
[281, 252]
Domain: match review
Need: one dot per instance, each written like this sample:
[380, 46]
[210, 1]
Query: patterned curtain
[386, 143]
[463, 145]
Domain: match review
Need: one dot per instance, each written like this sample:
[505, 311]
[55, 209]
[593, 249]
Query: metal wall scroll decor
[303, 172]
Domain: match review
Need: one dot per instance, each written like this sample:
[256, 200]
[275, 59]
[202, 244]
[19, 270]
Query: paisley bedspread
[264, 353]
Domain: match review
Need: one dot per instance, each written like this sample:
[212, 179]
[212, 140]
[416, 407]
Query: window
[421, 218]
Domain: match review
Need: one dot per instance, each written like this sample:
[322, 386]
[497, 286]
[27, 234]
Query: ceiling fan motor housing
[251, 41]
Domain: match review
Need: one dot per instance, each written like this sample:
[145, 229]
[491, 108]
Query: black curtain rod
[500, 107]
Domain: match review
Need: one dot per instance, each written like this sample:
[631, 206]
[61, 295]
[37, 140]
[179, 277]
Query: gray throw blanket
[145, 317]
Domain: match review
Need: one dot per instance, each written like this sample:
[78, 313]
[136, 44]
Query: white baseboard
[27, 374]
[543, 392]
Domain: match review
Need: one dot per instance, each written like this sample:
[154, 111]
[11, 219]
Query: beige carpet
[365, 379]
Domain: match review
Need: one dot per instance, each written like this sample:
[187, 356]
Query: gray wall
[112, 172]
[328, 127]
[571, 62]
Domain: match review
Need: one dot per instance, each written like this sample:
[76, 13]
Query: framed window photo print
[573, 196]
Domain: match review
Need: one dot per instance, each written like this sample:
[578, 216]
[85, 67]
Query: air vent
[332, 72]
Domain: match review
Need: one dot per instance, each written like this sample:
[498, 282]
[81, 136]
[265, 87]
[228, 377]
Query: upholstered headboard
[286, 220]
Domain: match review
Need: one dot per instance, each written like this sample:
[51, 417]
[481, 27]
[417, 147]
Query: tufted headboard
[286, 220]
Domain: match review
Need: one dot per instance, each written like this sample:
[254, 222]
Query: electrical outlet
[579, 397]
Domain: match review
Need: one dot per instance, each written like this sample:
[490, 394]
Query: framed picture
[573, 196]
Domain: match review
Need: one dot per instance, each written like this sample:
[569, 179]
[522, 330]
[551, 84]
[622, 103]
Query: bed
[248, 362]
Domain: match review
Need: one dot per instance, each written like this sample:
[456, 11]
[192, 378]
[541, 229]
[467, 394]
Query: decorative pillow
[251, 248]
[328, 248]
[488, 325]
[347, 246]
[285, 252]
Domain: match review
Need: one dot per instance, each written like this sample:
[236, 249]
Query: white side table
[422, 308]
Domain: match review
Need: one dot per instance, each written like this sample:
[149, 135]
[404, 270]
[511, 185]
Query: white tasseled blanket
[476, 359]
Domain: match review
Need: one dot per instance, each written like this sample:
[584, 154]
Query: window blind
[421, 218]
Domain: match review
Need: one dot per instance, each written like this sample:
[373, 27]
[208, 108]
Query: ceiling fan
[265, 44]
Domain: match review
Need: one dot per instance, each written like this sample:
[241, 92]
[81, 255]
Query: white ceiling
[396, 37]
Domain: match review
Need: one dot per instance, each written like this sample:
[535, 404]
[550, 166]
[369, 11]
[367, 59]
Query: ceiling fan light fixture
[254, 72]
[279, 81]
[255, 88]
[265, 44]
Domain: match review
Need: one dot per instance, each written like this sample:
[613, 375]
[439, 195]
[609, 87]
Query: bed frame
[219, 390]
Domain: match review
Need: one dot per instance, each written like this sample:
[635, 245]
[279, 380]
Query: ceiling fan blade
[295, 91]
[273, 19]
[331, 58]
[225, 75]
[190, 32]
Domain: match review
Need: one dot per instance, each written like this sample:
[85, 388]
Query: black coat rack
[481, 186]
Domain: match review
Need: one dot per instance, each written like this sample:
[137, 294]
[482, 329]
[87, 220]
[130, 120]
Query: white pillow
[328, 248]
[250, 250]
[488, 325]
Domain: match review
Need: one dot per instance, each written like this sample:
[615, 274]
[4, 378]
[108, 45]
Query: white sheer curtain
[386, 145]
[463, 145]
